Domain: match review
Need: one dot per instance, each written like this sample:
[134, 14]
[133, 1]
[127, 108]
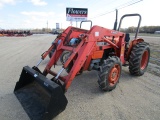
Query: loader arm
[87, 48]
[79, 54]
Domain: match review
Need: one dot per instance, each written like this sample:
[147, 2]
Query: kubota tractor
[99, 48]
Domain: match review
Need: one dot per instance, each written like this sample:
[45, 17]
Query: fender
[131, 45]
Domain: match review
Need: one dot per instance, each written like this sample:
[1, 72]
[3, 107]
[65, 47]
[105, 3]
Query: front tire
[110, 73]
[139, 59]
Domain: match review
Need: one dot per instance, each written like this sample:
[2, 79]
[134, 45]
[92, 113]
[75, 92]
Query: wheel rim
[65, 57]
[144, 60]
[114, 75]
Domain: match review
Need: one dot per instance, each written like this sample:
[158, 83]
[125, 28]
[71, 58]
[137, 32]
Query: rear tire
[139, 59]
[110, 73]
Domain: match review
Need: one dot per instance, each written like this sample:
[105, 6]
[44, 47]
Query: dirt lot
[134, 98]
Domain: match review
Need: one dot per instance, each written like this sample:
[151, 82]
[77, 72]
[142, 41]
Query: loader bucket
[41, 98]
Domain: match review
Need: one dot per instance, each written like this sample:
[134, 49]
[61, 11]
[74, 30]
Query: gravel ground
[134, 98]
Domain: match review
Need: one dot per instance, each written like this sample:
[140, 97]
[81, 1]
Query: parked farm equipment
[15, 33]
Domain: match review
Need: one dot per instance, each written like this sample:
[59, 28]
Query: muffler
[41, 98]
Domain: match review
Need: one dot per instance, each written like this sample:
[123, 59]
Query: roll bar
[131, 15]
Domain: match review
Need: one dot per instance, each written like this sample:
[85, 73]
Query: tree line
[143, 29]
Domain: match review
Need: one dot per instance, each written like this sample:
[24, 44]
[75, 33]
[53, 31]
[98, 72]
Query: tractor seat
[127, 38]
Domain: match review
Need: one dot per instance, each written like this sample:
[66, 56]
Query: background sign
[76, 14]
[57, 25]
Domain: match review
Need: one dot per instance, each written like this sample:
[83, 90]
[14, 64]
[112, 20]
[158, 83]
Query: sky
[33, 14]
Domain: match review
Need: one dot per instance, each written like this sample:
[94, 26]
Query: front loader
[99, 48]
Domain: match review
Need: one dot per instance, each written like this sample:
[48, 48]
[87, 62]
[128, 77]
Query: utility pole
[47, 26]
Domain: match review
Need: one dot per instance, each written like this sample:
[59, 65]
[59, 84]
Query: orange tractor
[100, 49]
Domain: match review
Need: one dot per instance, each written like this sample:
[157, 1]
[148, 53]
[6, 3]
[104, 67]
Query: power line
[118, 8]
[103, 14]
[130, 4]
